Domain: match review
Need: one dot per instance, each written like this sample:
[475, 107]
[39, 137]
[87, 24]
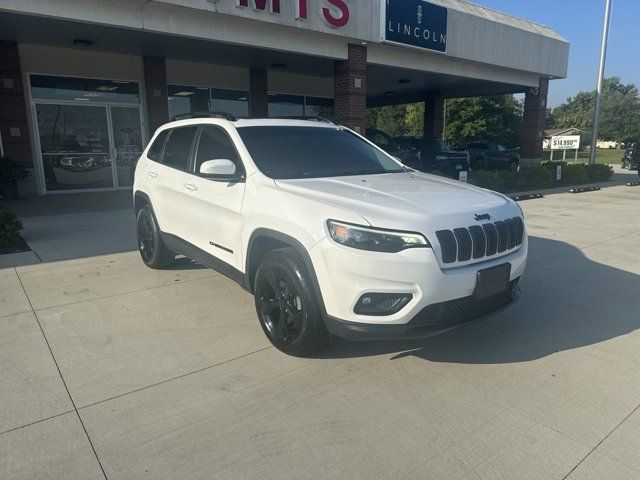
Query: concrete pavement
[111, 370]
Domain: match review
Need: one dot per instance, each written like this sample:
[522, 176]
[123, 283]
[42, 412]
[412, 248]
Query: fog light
[379, 304]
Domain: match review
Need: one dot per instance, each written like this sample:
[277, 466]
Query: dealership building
[85, 83]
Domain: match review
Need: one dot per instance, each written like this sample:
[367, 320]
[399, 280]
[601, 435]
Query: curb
[582, 190]
[529, 196]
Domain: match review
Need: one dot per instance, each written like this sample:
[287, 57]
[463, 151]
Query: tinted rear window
[177, 148]
[155, 152]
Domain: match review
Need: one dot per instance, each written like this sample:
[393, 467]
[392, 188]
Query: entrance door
[88, 147]
[127, 142]
[75, 145]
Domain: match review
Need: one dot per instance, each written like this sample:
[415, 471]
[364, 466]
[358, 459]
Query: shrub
[539, 177]
[599, 172]
[554, 165]
[574, 174]
[498, 180]
[490, 164]
[10, 227]
[11, 170]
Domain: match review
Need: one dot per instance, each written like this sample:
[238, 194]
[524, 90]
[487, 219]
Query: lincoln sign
[416, 23]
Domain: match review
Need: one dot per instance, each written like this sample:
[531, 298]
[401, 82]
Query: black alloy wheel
[152, 250]
[280, 306]
[286, 304]
[146, 243]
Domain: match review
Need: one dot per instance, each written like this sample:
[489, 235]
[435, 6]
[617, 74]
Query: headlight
[375, 239]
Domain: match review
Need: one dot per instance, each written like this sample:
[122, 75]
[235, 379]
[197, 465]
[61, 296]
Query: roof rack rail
[315, 118]
[224, 115]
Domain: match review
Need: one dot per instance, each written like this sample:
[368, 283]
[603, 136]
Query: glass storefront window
[281, 105]
[183, 100]
[75, 146]
[235, 102]
[47, 87]
[318, 107]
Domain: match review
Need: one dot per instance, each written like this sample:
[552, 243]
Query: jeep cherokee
[329, 233]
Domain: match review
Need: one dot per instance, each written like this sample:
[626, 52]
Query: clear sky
[580, 23]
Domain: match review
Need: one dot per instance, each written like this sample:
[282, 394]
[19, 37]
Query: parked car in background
[407, 154]
[492, 156]
[435, 156]
[631, 158]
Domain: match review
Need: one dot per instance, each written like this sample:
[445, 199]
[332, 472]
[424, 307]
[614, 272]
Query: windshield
[312, 152]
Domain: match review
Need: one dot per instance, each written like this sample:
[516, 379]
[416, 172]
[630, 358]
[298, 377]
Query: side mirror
[221, 168]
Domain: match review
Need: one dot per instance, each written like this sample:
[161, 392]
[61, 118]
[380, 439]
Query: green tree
[497, 118]
[397, 120]
[620, 114]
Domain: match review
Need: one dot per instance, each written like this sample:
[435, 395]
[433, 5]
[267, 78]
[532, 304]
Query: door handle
[191, 187]
[153, 175]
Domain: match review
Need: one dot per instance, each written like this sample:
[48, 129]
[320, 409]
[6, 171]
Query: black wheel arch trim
[298, 246]
[142, 195]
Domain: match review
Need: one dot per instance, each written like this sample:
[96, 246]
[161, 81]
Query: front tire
[287, 306]
[152, 250]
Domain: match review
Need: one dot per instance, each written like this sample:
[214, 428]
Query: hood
[413, 201]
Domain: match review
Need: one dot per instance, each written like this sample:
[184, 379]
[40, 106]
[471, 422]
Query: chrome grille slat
[479, 241]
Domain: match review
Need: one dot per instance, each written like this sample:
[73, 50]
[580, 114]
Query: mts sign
[334, 12]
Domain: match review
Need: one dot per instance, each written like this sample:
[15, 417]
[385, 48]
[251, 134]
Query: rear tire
[287, 306]
[152, 250]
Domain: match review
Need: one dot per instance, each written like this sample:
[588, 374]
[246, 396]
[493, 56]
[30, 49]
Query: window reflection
[75, 146]
[184, 100]
[84, 89]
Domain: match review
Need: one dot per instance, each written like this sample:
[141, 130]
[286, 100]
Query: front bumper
[432, 320]
[442, 296]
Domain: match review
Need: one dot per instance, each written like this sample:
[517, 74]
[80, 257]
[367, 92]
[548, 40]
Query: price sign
[565, 142]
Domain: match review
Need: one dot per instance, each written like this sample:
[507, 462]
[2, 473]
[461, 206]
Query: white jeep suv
[328, 232]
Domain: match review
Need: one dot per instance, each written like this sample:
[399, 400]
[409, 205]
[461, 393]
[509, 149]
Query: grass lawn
[603, 155]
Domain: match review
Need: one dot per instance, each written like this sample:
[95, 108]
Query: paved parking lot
[111, 370]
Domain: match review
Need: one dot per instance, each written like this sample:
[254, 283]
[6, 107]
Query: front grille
[477, 241]
[462, 310]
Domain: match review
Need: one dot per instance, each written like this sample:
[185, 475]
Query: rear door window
[177, 149]
[155, 152]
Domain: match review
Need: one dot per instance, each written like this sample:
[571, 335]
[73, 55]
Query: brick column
[14, 123]
[433, 116]
[351, 89]
[157, 95]
[532, 131]
[258, 93]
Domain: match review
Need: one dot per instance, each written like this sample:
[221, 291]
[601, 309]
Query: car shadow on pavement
[184, 263]
[568, 301]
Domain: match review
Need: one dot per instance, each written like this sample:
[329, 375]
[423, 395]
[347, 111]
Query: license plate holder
[491, 281]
